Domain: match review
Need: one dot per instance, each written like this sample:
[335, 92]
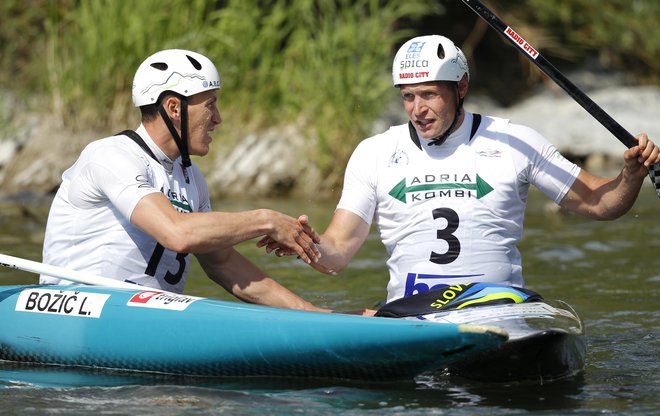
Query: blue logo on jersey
[422, 283]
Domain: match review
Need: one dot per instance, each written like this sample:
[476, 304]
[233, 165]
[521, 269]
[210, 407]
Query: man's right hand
[292, 236]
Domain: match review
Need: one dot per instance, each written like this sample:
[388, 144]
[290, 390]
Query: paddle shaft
[62, 273]
[547, 68]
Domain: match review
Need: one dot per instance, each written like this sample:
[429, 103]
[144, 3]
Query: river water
[608, 271]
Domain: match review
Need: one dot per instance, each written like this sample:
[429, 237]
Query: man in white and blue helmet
[448, 189]
[134, 205]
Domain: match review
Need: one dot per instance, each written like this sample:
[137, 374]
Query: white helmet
[177, 70]
[428, 58]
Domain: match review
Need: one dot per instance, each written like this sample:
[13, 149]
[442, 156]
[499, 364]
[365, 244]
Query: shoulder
[109, 147]
[391, 134]
[197, 175]
[507, 127]
[519, 137]
[384, 142]
[375, 148]
[114, 157]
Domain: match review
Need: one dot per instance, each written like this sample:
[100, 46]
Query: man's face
[431, 106]
[203, 117]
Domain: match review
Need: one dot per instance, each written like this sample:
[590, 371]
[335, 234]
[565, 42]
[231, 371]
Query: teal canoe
[160, 332]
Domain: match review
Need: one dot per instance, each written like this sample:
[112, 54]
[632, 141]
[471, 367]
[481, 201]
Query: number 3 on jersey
[447, 234]
[171, 278]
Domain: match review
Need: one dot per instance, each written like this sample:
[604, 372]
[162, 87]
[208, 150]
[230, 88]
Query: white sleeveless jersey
[89, 226]
[452, 213]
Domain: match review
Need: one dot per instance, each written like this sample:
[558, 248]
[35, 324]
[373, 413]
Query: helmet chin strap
[181, 141]
[437, 141]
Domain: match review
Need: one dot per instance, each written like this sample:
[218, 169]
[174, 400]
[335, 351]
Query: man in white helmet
[448, 189]
[134, 205]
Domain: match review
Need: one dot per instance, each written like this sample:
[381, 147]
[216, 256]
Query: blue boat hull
[144, 330]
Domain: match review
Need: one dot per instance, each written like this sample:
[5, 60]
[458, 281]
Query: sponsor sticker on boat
[161, 300]
[61, 302]
[494, 313]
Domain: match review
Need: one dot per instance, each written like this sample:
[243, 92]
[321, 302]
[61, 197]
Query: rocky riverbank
[34, 150]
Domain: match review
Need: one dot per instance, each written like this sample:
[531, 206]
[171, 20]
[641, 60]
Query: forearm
[603, 198]
[620, 195]
[211, 230]
[607, 199]
[200, 232]
[342, 239]
[266, 291]
[243, 279]
[337, 246]
[332, 259]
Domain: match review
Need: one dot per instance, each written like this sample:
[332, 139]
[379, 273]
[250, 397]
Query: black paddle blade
[654, 173]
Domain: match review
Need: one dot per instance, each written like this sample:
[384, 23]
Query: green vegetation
[624, 33]
[620, 34]
[323, 65]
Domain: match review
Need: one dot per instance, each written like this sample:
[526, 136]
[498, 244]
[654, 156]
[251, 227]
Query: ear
[463, 85]
[173, 107]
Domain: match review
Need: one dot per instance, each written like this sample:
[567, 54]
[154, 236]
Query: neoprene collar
[476, 121]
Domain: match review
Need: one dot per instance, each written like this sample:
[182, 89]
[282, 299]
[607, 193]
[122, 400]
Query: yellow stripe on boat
[492, 296]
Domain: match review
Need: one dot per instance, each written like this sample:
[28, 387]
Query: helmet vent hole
[194, 62]
[441, 52]
[162, 66]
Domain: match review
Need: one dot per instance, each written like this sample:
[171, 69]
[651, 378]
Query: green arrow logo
[185, 207]
[400, 189]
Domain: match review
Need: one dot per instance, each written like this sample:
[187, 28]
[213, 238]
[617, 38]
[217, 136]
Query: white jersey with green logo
[89, 226]
[452, 213]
